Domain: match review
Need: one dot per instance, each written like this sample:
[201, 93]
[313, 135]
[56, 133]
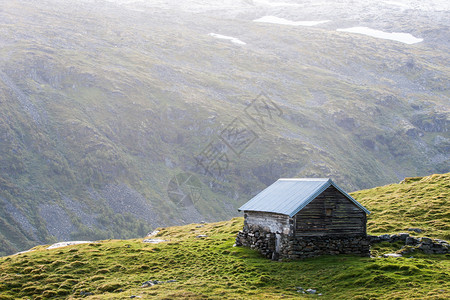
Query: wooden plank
[344, 217]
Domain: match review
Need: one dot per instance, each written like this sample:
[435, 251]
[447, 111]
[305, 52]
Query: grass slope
[211, 268]
[419, 202]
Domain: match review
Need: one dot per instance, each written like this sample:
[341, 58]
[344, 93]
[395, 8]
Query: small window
[328, 212]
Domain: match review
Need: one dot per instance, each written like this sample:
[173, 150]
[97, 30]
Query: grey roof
[288, 196]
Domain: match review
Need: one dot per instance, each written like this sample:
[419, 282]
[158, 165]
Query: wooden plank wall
[330, 214]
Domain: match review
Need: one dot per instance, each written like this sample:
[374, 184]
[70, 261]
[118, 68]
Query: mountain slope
[202, 263]
[109, 110]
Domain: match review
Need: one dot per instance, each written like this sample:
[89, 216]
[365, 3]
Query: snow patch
[429, 5]
[153, 241]
[64, 244]
[395, 3]
[277, 20]
[22, 252]
[272, 4]
[153, 233]
[230, 38]
[394, 36]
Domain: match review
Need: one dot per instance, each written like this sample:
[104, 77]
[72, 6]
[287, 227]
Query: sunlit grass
[421, 202]
[211, 268]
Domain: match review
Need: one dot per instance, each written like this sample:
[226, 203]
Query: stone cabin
[304, 217]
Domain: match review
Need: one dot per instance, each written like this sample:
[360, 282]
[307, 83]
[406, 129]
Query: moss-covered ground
[211, 268]
[418, 202]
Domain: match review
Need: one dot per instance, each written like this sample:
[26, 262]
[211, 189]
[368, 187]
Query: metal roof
[288, 196]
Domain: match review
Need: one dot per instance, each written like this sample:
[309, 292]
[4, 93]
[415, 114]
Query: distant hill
[117, 117]
[198, 261]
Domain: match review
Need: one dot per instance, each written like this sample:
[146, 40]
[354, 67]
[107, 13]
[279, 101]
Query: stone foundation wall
[317, 246]
[284, 246]
[257, 238]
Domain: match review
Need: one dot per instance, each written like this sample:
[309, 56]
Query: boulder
[426, 241]
[384, 237]
[411, 241]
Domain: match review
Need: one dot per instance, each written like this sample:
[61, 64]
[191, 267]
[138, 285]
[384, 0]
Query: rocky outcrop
[432, 122]
[412, 244]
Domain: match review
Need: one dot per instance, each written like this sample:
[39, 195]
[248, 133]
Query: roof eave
[262, 211]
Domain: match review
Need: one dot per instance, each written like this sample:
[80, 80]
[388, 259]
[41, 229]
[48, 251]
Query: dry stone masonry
[280, 246]
[412, 244]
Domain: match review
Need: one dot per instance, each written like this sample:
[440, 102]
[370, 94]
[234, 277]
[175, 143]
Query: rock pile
[307, 291]
[154, 282]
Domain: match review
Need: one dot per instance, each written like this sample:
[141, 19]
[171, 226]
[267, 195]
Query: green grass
[211, 268]
[419, 202]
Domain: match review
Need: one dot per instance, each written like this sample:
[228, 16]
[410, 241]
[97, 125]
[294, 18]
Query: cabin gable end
[330, 214]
